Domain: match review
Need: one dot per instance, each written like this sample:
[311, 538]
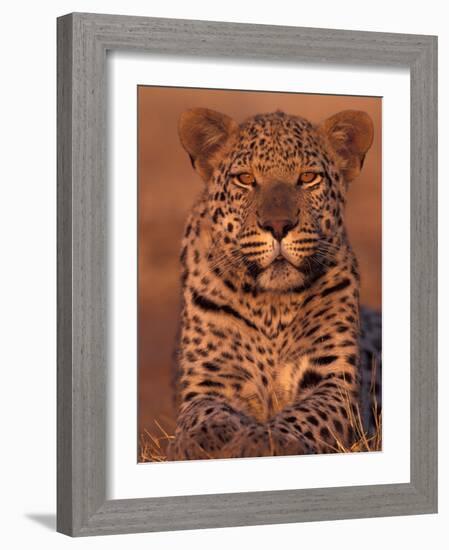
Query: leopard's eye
[308, 179]
[245, 180]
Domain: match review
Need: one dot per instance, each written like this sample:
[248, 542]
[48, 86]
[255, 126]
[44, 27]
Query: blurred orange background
[167, 188]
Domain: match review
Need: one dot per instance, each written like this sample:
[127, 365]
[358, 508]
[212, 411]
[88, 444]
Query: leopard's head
[275, 188]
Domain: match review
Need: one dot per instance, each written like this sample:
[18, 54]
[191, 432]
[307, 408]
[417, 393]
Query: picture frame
[83, 41]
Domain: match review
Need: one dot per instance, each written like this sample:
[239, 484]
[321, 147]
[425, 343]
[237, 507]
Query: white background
[27, 300]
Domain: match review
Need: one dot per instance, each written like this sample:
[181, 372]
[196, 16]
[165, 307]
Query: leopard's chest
[273, 387]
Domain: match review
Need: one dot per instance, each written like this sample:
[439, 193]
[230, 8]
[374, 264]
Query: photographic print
[259, 274]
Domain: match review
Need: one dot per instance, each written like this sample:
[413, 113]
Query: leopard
[274, 352]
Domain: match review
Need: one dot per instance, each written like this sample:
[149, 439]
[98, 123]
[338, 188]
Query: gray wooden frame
[83, 40]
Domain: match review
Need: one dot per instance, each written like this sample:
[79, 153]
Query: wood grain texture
[64, 276]
[83, 40]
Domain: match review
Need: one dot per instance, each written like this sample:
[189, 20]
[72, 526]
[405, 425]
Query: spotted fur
[269, 349]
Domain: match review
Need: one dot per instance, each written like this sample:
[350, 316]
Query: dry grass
[153, 444]
[363, 442]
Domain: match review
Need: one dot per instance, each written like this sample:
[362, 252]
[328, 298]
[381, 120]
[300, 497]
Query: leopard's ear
[350, 135]
[203, 134]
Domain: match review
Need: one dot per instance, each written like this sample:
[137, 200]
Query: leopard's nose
[278, 228]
